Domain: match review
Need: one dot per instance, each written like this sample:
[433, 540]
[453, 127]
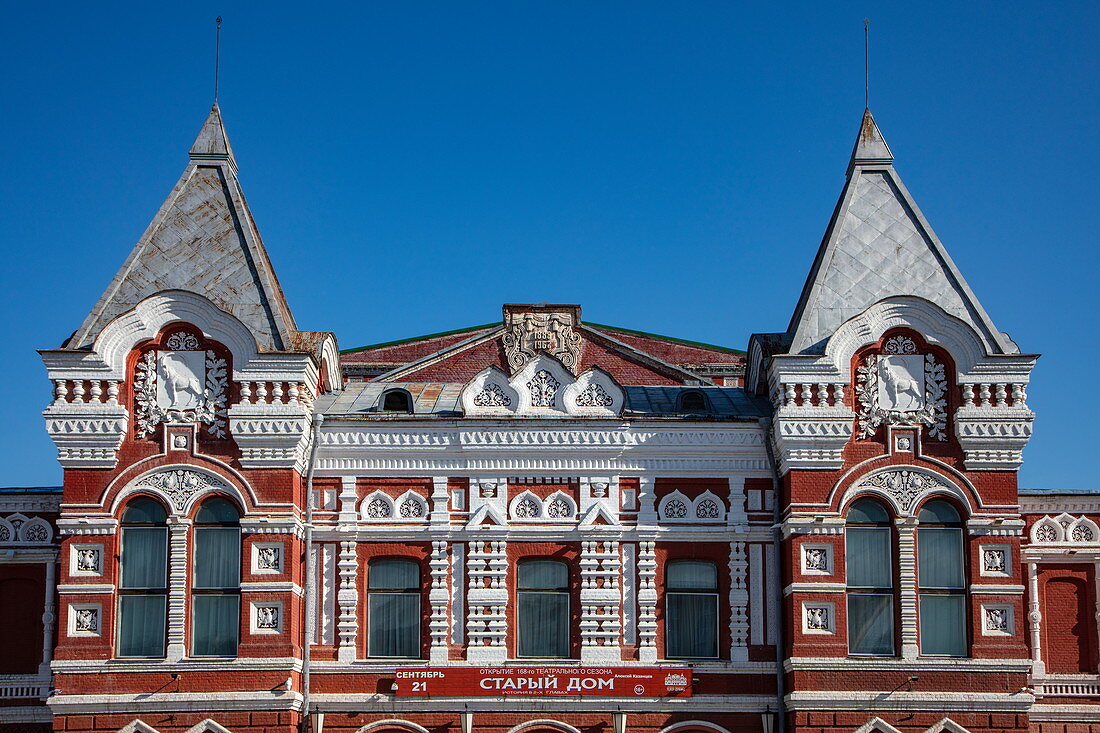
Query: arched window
[542, 591]
[941, 578]
[216, 588]
[870, 577]
[396, 400]
[691, 609]
[143, 579]
[693, 401]
[393, 608]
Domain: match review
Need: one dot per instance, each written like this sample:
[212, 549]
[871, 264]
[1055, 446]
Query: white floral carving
[559, 509]
[526, 508]
[411, 509]
[209, 408]
[180, 484]
[594, 395]
[378, 508]
[675, 509]
[707, 509]
[1046, 533]
[492, 396]
[38, 533]
[1081, 533]
[903, 485]
[543, 388]
[909, 407]
[182, 342]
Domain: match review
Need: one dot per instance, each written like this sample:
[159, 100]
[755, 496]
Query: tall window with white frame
[143, 579]
[542, 596]
[691, 609]
[941, 579]
[216, 585]
[393, 608]
[868, 553]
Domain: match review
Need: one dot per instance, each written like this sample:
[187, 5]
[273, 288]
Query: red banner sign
[544, 681]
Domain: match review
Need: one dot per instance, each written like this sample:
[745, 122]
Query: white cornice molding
[927, 664]
[903, 701]
[202, 702]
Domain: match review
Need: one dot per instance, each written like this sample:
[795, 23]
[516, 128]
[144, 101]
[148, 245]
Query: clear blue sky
[670, 166]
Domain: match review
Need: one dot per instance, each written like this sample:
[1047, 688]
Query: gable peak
[870, 146]
[212, 142]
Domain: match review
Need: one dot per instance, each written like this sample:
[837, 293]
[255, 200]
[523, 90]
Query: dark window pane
[870, 624]
[217, 557]
[217, 511]
[543, 624]
[691, 625]
[144, 558]
[394, 620]
[868, 511]
[393, 574]
[867, 557]
[693, 402]
[691, 575]
[943, 625]
[940, 557]
[144, 510]
[938, 511]
[396, 402]
[141, 626]
[214, 623]
[543, 574]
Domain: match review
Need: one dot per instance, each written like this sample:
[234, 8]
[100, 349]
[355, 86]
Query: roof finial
[866, 63]
[217, 55]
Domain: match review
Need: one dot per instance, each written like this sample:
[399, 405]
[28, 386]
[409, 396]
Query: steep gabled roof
[878, 244]
[203, 240]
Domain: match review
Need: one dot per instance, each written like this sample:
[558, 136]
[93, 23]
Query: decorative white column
[739, 603]
[441, 499]
[647, 507]
[347, 625]
[907, 563]
[647, 600]
[600, 603]
[177, 587]
[1034, 619]
[49, 617]
[439, 596]
[347, 500]
[487, 600]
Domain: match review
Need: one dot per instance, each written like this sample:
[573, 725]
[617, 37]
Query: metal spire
[866, 63]
[217, 55]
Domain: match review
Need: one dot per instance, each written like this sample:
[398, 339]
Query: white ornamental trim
[212, 408]
[180, 484]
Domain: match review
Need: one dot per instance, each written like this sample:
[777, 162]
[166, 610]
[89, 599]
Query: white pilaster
[601, 599]
[907, 563]
[647, 599]
[347, 627]
[487, 601]
[177, 587]
[439, 596]
[49, 617]
[1035, 620]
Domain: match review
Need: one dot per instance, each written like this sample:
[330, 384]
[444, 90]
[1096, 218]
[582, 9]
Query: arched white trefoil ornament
[543, 387]
[677, 507]
[528, 507]
[905, 487]
[1067, 529]
[181, 487]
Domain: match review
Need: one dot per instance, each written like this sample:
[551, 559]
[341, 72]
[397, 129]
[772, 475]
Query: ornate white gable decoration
[22, 530]
[558, 507]
[1066, 528]
[180, 484]
[901, 386]
[677, 507]
[409, 507]
[530, 331]
[181, 384]
[905, 486]
[542, 388]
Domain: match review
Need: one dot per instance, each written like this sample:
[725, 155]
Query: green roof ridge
[418, 338]
[664, 338]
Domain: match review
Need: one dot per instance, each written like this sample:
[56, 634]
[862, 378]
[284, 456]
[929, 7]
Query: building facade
[544, 524]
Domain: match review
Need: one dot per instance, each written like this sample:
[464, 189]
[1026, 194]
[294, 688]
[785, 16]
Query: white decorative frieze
[179, 485]
[902, 386]
[705, 508]
[904, 486]
[1066, 529]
